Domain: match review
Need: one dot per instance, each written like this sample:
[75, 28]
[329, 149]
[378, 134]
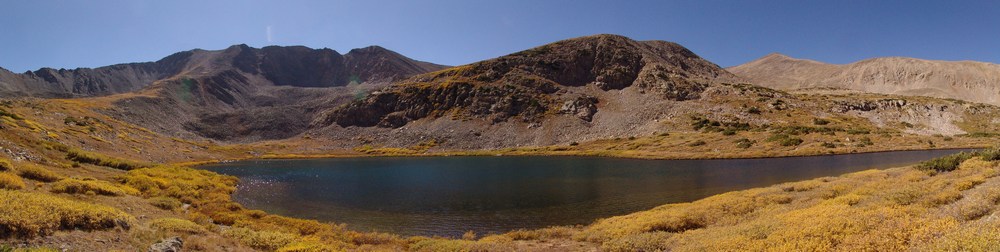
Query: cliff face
[963, 80]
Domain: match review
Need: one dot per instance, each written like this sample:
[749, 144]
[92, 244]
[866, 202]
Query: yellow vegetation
[74, 186]
[264, 240]
[26, 214]
[10, 181]
[876, 210]
[5, 165]
[489, 243]
[37, 172]
[165, 203]
[102, 160]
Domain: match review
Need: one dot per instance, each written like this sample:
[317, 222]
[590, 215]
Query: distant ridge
[283, 66]
[963, 80]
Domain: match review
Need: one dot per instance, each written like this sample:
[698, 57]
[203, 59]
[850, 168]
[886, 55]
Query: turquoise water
[447, 196]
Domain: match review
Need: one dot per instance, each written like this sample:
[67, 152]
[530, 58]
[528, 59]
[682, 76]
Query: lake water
[447, 196]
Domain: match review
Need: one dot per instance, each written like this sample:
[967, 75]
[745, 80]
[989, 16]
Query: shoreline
[529, 153]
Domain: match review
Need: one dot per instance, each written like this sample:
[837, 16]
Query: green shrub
[946, 163]
[791, 141]
[859, 131]
[992, 154]
[744, 143]
[828, 145]
[820, 121]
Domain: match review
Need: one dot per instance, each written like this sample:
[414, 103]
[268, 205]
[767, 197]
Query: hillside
[265, 93]
[963, 80]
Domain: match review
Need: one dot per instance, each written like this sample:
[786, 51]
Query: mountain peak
[530, 82]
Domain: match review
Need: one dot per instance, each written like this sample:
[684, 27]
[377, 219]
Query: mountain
[593, 87]
[248, 94]
[964, 80]
[282, 66]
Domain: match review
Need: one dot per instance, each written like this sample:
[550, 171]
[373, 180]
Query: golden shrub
[10, 181]
[5, 165]
[264, 240]
[496, 243]
[86, 185]
[26, 214]
[165, 203]
[37, 172]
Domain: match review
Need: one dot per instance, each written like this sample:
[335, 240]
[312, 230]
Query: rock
[172, 244]
[583, 107]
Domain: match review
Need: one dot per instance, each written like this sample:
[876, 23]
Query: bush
[828, 145]
[791, 141]
[491, 243]
[10, 181]
[27, 214]
[263, 240]
[5, 165]
[946, 163]
[77, 186]
[165, 203]
[102, 160]
[992, 154]
[697, 143]
[858, 131]
[744, 143]
[652, 241]
[820, 121]
[36, 172]
[177, 225]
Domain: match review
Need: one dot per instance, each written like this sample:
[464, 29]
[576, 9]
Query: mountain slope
[964, 80]
[249, 94]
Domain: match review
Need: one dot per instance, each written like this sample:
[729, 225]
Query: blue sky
[69, 34]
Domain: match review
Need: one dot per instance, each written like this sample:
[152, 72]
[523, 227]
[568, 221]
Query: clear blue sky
[69, 34]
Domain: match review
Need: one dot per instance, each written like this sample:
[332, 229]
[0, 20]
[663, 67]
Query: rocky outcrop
[584, 107]
[172, 244]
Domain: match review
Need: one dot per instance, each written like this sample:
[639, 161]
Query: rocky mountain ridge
[282, 66]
